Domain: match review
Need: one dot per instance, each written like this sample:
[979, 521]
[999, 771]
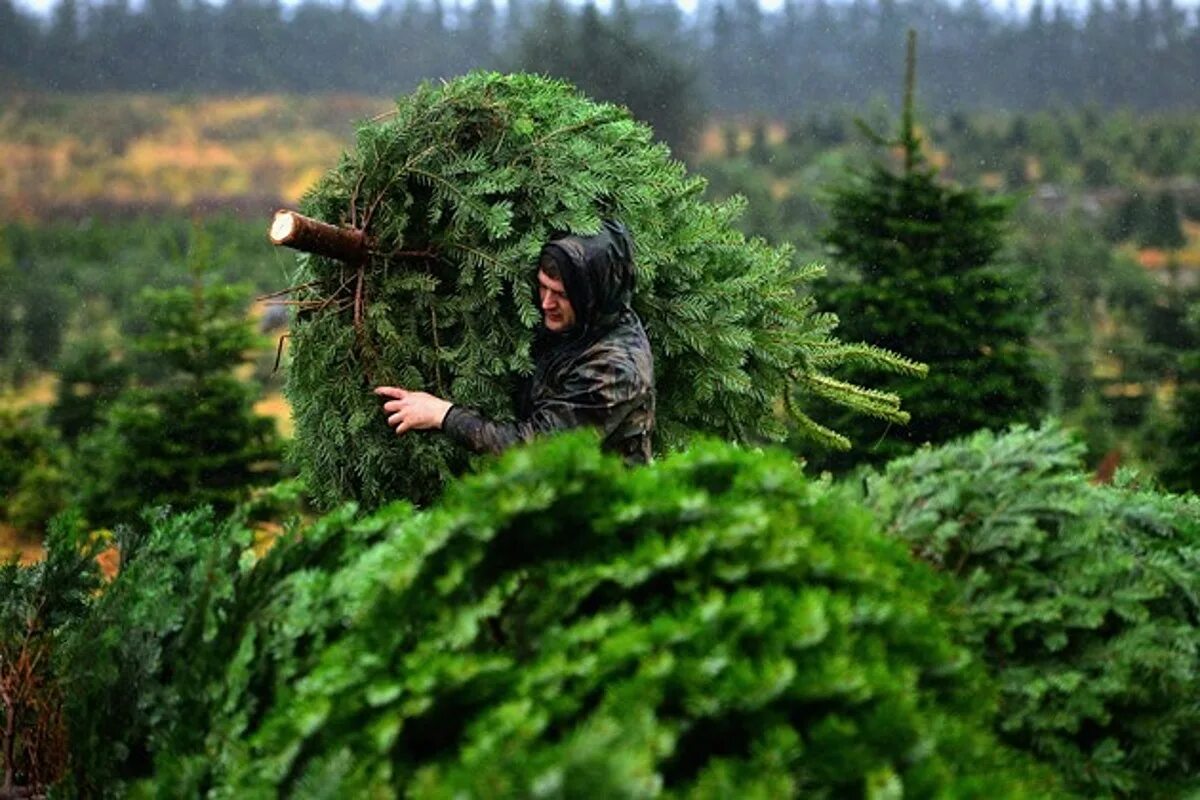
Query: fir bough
[38, 603]
[1084, 601]
[458, 189]
[711, 626]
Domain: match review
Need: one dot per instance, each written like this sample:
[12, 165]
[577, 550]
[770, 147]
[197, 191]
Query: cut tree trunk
[308, 235]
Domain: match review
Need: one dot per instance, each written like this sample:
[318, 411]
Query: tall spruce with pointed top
[458, 189]
[186, 434]
[919, 268]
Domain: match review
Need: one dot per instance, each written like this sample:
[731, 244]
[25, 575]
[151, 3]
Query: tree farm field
[106, 187]
[305, 601]
[129, 153]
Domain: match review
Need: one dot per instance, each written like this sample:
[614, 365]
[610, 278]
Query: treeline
[736, 56]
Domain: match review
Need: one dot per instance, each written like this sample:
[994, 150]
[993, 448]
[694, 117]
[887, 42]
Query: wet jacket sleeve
[600, 395]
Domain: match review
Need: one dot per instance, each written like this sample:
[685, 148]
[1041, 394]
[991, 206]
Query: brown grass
[160, 152]
[14, 543]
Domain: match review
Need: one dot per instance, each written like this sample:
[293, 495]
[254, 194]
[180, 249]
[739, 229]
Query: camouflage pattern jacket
[599, 374]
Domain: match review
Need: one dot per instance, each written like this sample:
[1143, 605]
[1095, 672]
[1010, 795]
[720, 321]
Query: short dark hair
[549, 266]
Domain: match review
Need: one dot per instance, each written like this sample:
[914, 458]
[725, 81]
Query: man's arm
[599, 396]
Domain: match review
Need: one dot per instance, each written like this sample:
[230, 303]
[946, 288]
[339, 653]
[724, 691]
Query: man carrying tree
[593, 365]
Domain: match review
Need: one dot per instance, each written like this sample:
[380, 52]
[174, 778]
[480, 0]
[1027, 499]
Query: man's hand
[412, 411]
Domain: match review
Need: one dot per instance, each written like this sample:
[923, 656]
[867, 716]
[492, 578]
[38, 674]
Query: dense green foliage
[186, 434]
[38, 603]
[917, 268]
[33, 470]
[1081, 598]
[132, 665]
[1182, 469]
[459, 189]
[560, 625]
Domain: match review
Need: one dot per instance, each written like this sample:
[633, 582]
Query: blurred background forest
[143, 148]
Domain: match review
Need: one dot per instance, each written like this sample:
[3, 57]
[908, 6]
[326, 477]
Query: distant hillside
[129, 154]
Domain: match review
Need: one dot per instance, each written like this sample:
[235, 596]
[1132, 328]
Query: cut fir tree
[455, 192]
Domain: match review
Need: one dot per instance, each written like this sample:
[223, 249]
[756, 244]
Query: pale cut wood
[308, 235]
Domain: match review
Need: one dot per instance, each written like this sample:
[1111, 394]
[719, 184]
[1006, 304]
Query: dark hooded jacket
[600, 373]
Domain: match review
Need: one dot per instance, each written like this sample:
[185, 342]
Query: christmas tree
[187, 433]
[445, 204]
[919, 271]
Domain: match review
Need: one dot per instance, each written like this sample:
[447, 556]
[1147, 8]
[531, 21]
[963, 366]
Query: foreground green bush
[1084, 600]
[38, 603]
[711, 626]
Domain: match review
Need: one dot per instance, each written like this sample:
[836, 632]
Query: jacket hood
[597, 273]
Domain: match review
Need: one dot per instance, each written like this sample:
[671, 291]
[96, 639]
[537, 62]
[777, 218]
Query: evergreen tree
[33, 470]
[919, 272]
[1162, 226]
[458, 191]
[187, 434]
[90, 378]
[1182, 469]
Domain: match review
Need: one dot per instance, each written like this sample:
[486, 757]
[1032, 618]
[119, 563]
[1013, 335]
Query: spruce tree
[456, 191]
[919, 270]
[34, 470]
[186, 434]
[1182, 469]
[90, 378]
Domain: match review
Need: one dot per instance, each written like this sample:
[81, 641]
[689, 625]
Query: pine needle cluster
[458, 189]
[38, 604]
[1084, 601]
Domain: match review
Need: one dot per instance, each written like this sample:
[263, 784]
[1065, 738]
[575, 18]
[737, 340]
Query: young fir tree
[90, 378]
[919, 272]
[34, 470]
[187, 434]
[1182, 469]
[457, 191]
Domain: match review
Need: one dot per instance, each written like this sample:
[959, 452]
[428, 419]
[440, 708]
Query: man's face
[557, 312]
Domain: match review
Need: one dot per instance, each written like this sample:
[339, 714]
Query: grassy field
[65, 155]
